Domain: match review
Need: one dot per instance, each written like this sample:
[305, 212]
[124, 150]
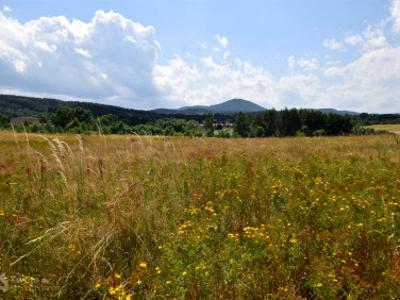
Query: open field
[395, 128]
[127, 217]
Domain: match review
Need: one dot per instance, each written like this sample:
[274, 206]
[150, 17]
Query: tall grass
[129, 217]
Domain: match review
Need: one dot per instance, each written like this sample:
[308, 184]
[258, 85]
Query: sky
[146, 54]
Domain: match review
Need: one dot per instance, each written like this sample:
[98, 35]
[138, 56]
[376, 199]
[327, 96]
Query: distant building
[23, 120]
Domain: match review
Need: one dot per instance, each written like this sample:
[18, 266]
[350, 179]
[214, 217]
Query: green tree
[209, 125]
[65, 117]
[241, 124]
[257, 126]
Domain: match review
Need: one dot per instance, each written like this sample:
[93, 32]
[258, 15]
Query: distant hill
[228, 107]
[17, 106]
[236, 105]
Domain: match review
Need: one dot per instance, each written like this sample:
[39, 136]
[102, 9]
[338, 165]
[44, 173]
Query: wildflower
[233, 236]
[143, 265]
[184, 273]
[192, 211]
[158, 270]
[2, 214]
[117, 276]
[97, 285]
[209, 207]
[111, 291]
[139, 282]
[293, 240]
[200, 267]
[319, 284]
[184, 226]
[168, 282]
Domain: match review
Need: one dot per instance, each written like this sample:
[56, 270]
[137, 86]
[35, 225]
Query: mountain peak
[236, 105]
[231, 106]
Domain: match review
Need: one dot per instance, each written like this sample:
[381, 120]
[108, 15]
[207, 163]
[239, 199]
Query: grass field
[126, 217]
[388, 127]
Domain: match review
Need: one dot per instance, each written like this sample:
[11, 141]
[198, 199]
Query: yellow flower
[184, 273]
[293, 240]
[143, 265]
[139, 282]
[200, 267]
[233, 236]
[111, 291]
[97, 285]
[2, 214]
[128, 297]
[158, 270]
[117, 276]
[319, 284]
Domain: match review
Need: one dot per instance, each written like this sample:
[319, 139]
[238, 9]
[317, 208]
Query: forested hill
[28, 106]
[13, 106]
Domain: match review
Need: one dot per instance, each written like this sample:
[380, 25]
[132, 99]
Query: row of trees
[288, 122]
[291, 122]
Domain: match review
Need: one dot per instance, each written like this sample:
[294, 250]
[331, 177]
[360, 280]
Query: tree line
[292, 122]
[271, 122]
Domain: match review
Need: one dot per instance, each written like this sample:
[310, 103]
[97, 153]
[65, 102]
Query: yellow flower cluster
[255, 232]
[184, 227]
[192, 211]
[233, 236]
[119, 293]
[209, 207]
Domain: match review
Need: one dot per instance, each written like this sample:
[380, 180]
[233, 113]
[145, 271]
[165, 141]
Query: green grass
[119, 217]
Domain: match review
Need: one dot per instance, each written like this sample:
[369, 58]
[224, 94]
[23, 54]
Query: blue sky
[276, 53]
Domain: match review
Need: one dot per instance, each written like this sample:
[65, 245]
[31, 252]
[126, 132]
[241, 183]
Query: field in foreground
[125, 217]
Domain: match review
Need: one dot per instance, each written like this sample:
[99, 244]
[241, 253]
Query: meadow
[129, 217]
[395, 128]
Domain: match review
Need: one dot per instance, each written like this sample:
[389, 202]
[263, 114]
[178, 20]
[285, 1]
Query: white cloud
[7, 9]
[209, 81]
[332, 44]
[302, 63]
[222, 40]
[109, 57]
[226, 55]
[370, 83]
[374, 38]
[395, 13]
[353, 40]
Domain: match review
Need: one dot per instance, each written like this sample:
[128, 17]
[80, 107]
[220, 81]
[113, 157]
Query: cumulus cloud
[302, 63]
[332, 44]
[370, 83]
[7, 9]
[210, 81]
[374, 37]
[395, 13]
[109, 57]
[222, 40]
[353, 40]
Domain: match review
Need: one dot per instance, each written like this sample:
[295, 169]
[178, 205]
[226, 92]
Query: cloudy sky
[343, 54]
